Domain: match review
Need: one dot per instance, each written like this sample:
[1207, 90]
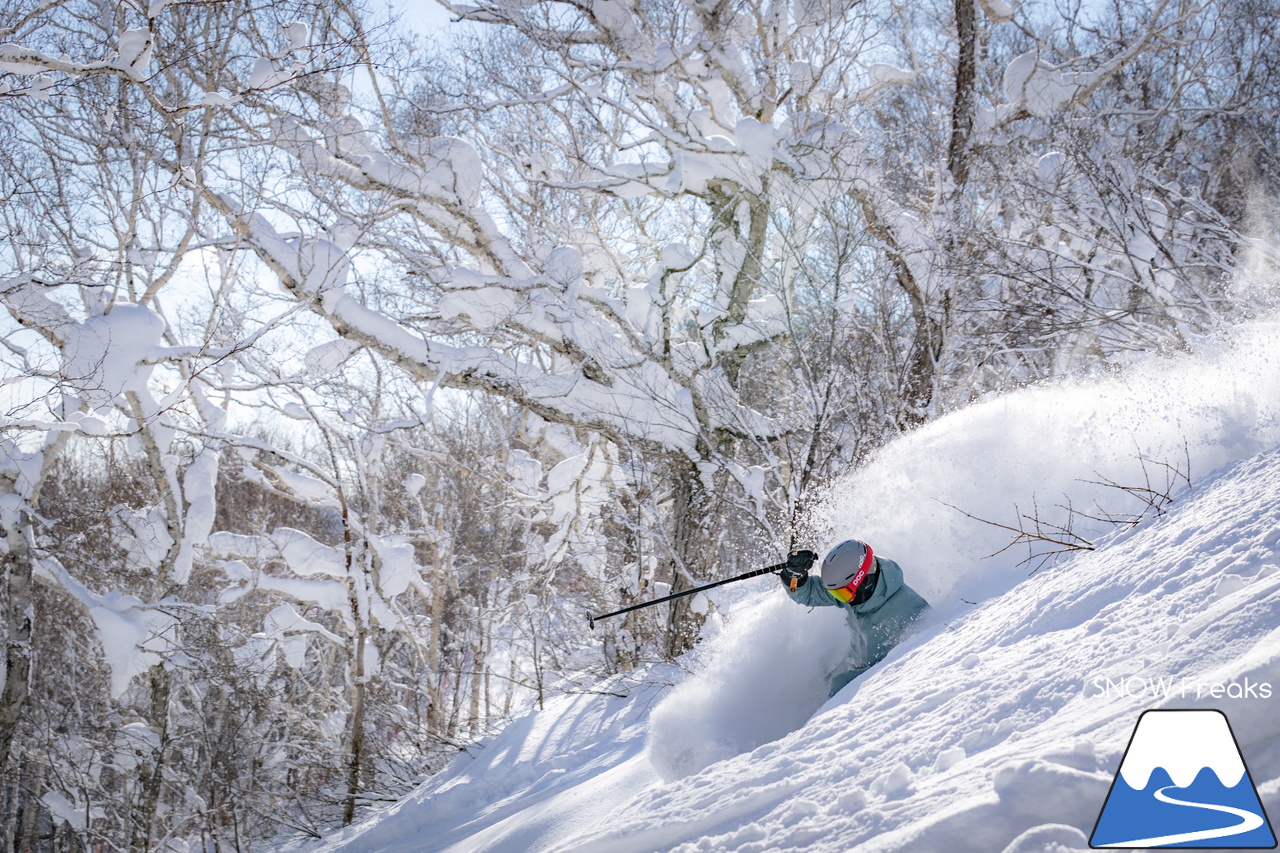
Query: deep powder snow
[999, 727]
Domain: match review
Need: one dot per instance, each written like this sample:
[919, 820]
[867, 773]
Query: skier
[877, 603]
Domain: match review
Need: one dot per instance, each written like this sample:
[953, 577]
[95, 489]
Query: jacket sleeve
[813, 594]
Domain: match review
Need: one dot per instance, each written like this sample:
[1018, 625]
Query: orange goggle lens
[843, 594]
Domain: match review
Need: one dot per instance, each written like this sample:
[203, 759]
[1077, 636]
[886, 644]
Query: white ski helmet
[846, 568]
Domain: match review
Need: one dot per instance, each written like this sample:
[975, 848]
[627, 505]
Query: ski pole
[805, 561]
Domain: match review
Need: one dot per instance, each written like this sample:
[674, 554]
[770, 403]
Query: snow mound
[1050, 838]
[551, 774]
[764, 674]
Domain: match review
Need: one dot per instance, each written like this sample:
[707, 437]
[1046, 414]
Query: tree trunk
[355, 753]
[435, 693]
[17, 658]
[917, 385]
[511, 681]
[627, 638]
[962, 109]
[692, 558]
[478, 665]
[161, 683]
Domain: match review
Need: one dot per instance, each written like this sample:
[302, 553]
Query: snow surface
[997, 728]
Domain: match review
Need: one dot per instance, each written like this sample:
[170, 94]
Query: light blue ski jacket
[886, 618]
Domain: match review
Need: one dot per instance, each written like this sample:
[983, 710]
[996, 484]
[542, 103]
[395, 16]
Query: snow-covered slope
[996, 729]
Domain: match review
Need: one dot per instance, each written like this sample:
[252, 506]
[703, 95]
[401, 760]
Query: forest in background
[346, 370]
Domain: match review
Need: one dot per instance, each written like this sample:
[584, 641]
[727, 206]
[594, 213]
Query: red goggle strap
[863, 570]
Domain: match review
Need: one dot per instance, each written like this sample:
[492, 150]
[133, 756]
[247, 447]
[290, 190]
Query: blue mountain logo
[1182, 783]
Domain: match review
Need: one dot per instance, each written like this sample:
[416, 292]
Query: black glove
[796, 573]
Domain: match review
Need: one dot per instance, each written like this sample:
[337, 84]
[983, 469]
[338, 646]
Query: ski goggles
[849, 591]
